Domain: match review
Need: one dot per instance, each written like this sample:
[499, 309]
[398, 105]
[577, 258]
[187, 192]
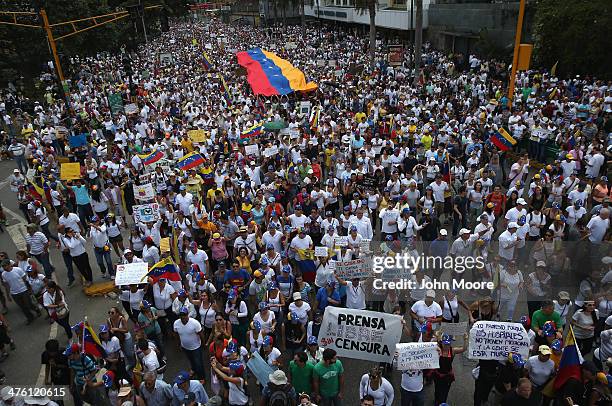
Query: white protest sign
[454, 329]
[417, 356]
[271, 151]
[321, 251]
[360, 334]
[131, 109]
[493, 340]
[364, 246]
[540, 132]
[341, 241]
[131, 274]
[357, 268]
[146, 213]
[144, 192]
[251, 149]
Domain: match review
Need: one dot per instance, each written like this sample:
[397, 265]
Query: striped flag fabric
[314, 120]
[166, 268]
[91, 343]
[502, 140]
[148, 159]
[190, 161]
[226, 93]
[252, 132]
[571, 359]
[207, 62]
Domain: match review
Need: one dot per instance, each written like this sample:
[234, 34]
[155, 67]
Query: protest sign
[360, 334]
[364, 246]
[131, 274]
[357, 268]
[144, 179]
[76, 141]
[166, 59]
[251, 150]
[260, 368]
[540, 132]
[417, 356]
[146, 213]
[69, 171]
[454, 329]
[271, 151]
[115, 102]
[493, 340]
[164, 245]
[320, 251]
[144, 192]
[131, 109]
[341, 241]
[197, 135]
[30, 174]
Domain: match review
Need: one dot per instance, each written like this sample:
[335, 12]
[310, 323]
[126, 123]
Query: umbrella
[275, 125]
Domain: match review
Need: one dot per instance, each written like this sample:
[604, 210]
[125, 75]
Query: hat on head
[73, 348]
[297, 296]
[544, 350]
[430, 293]
[464, 231]
[556, 345]
[541, 264]
[443, 232]
[278, 377]
[564, 295]
[183, 311]
[521, 201]
[182, 377]
[124, 391]
[512, 224]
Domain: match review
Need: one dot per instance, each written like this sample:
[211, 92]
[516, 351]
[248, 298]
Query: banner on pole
[360, 334]
[146, 213]
[493, 340]
[417, 356]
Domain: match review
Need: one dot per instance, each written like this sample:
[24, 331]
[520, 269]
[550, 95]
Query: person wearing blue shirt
[184, 385]
[238, 277]
[327, 296]
[83, 201]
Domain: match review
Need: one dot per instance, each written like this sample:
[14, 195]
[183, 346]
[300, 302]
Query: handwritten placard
[131, 274]
[417, 356]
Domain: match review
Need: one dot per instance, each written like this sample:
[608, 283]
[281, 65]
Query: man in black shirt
[523, 395]
[508, 377]
[57, 372]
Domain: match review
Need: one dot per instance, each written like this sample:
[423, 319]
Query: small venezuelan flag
[148, 159]
[190, 161]
[502, 140]
[226, 93]
[571, 359]
[166, 268]
[314, 120]
[252, 132]
[207, 62]
[91, 343]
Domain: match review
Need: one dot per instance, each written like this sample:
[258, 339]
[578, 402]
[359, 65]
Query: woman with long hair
[54, 300]
[238, 313]
[136, 240]
[221, 327]
[207, 310]
[99, 202]
[113, 230]
[118, 327]
[475, 197]
[585, 322]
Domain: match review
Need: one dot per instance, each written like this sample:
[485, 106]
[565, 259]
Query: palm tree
[370, 6]
[418, 39]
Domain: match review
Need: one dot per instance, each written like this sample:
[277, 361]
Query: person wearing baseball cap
[184, 385]
[538, 285]
[508, 241]
[426, 312]
[540, 367]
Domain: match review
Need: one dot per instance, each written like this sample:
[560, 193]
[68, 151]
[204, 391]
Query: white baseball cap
[464, 231]
[443, 232]
[512, 225]
[521, 201]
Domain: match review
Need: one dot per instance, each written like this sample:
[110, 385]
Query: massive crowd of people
[376, 155]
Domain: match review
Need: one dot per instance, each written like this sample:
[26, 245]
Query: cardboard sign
[164, 245]
[146, 213]
[69, 171]
[357, 268]
[131, 274]
[493, 340]
[320, 252]
[454, 329]
[417, 356]
[270, 151]
[364, 246]
[131, 109]
[144, 179]
[144, 192]
[197, 135]
[540, 132]
[395, 55]
[360, 334]
[251, 150]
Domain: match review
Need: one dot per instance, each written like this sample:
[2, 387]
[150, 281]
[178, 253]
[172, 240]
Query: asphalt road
[23, 367]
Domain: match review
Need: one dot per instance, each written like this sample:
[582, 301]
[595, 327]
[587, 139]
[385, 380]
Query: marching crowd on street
[438, 166]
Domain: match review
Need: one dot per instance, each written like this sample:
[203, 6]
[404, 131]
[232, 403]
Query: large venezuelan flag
[190, 161]
[270, 75]
[571, 359]
[148, 159]
[166, 268]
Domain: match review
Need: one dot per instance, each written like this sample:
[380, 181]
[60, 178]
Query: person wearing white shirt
[594, 163]
[377, 386]
[426, 311]
[99, 237]
[515, 213]
[389, 219]
[198, 257]
[183, 200]
[362, 224]
[508, 241]
[70, 220]
[599, 225]
[191, 335]
[574, 213]
[355, 293]
[273, 237]
[76, 244]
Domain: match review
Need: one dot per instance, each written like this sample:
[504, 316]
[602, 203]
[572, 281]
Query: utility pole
[515, 58]
[144, 27]
[56, 62]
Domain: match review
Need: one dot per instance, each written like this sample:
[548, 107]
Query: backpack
[279, 398]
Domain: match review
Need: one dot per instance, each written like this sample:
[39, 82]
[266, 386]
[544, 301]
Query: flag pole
[83, 335]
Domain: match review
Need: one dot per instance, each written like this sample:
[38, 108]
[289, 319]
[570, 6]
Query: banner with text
[493, 340]
[360, 334]
[131, 274]
[417, 356]
[357, 268]
[146, 213]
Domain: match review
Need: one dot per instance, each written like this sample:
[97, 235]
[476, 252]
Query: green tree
[370, 6]
[576, 33]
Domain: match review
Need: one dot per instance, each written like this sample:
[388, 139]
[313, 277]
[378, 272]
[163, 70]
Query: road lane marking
[41, 375]
[17, 234]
